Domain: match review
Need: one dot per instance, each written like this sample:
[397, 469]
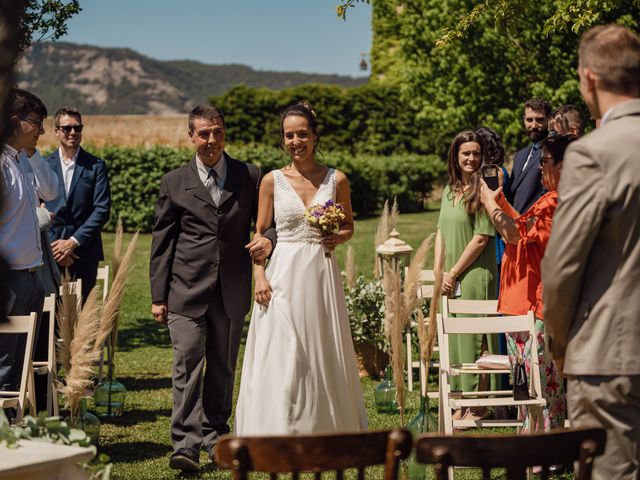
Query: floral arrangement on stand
[365, 304]
[326, 218]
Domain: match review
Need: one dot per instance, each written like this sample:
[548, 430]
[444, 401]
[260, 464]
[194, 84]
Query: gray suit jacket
[591, 268]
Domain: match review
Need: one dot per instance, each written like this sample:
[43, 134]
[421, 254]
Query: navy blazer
[525, 187]
[82, 213]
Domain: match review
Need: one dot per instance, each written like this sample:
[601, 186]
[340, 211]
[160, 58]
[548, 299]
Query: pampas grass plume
[394, 324]
[110, 314]
[351, 268]
[382, 233]
[82, 354]
[393, 216]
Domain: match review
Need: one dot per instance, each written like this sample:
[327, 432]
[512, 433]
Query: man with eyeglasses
[25, 179]
[83, 203]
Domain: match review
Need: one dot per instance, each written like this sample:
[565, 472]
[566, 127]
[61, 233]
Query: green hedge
[369, 119]
[135, 177]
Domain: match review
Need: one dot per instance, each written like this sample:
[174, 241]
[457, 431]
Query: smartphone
[457, 290]
[490, 176]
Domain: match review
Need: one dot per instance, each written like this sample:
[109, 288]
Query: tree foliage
[345, 5]
[45, 20]
[485, 77]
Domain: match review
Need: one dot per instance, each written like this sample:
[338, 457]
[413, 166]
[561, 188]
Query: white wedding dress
[299, 374]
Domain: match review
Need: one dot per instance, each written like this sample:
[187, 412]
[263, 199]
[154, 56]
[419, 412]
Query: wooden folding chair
[17, 325]
[48, 367]
[427, 279]
[315, 453]
[488, 323]
[515, 453]
[103, 276]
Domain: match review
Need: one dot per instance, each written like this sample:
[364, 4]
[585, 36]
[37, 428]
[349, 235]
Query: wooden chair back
[515, 453]
[315, 453]
[427, 279]
[103, 276]
[48, 367]
[477, 322]
[17, 325]
[469, 307]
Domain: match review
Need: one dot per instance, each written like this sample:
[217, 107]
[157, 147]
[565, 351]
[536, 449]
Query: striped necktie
[211, 183]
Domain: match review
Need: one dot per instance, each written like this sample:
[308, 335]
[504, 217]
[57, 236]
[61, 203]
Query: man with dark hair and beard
[525, 187]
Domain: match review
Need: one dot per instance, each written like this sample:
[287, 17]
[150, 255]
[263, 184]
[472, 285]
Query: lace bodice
[291, 225]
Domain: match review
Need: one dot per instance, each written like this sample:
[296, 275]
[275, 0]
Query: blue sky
[283, 35]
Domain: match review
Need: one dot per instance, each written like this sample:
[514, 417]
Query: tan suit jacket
[591, 268]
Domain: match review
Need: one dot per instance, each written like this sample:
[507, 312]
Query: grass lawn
[138, 442]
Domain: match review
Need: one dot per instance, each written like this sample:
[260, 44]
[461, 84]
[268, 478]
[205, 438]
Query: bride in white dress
[299, 374]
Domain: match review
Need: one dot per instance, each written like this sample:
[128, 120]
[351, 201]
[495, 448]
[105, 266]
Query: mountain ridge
[112, 81]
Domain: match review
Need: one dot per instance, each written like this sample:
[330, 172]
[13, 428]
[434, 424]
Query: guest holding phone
[526, 237]
[467, 237]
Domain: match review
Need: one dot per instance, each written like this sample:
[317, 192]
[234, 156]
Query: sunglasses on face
[68, 128]
[36, 122]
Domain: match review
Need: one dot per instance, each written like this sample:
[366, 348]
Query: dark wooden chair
[315, 453]
[514, 452]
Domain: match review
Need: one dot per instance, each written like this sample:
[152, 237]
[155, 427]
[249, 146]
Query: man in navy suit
[83, 203]
[525, 186]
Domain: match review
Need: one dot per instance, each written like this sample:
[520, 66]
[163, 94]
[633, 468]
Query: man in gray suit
[591, 268]
[200, 274]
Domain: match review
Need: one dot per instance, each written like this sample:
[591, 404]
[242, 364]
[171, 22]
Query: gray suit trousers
[202, 406]
[613, 403]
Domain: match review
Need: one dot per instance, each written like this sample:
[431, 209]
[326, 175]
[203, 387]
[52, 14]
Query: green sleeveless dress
[478, 282]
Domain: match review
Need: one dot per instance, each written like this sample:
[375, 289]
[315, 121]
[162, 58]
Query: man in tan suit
[591, 269]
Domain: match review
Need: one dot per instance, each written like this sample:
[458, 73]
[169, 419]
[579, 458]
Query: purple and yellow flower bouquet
[326, 218]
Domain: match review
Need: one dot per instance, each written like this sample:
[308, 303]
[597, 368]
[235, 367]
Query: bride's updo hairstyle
[300, 109]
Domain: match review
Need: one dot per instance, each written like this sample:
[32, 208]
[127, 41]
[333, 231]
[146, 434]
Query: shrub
[365, 304]
[135, 175]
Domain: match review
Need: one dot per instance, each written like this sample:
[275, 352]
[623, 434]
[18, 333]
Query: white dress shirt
[19, 231]
[40, 175]
[67, 165]
[215, 184]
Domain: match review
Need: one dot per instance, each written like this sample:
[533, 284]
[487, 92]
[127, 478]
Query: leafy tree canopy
[482, 74]
[45, 20]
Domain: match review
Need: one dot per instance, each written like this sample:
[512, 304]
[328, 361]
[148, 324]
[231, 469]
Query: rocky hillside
[121, 81]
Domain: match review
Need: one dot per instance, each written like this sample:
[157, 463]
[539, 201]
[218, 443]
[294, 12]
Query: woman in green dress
[467, 236]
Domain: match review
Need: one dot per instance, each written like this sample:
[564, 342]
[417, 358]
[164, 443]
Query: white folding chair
[48, 367]
[487, 323]
[17, 325]
[103, 276]
[75, 289]
[427, 279]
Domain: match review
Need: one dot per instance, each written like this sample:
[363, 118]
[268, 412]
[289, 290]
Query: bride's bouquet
[326, 218]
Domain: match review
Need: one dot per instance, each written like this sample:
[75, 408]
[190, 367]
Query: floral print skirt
[555, 412]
